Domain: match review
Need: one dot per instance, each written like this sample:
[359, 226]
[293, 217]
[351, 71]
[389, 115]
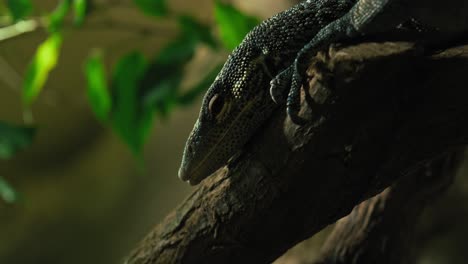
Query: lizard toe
[293, 104]
[280, 85]
[293, 114]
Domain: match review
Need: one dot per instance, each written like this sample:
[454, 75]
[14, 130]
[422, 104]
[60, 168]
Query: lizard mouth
[189, 177]
[203, 169]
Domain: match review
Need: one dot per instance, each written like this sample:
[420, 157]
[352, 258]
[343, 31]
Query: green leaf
[156, 8]
[19, 8]
[57, 17]
[162, 79]
[178, 51]
[43, 62]
[161, 96]
[98, 93]
[79, 10]
[233, 24]
[130, 120]
[7, 193]
[200, 87]
[14, 138]
[202, 32]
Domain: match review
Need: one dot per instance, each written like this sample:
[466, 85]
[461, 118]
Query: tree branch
[387, 110]
[382, 228]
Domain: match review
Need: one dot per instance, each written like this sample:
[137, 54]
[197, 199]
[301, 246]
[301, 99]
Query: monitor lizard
[268, 68]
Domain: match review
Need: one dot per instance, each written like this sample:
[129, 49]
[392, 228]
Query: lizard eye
[216, 105]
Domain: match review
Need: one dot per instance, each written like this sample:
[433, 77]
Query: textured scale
[269, 65]
[244, 82]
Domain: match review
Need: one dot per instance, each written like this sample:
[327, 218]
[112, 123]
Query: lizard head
[233, 108]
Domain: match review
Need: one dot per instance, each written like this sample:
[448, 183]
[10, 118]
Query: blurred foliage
[7, 193]
[44, 61]
[157, 8]
[12, 139]
[19, 8]
[130, 119]
[137, 88]
[233, 24]
[79, 9]
[57, 17]
[98, 92]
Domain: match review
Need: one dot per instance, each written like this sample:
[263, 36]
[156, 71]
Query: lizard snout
[183, 173]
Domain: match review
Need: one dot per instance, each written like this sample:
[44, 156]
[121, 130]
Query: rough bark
[386, 110]
[382, 229]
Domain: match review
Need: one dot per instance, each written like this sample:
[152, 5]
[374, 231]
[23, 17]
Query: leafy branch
[127, 97]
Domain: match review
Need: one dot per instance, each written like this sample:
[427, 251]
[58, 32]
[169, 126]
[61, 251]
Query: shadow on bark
[387, 111]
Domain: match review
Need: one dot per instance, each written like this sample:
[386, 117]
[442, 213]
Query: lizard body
[270, 64]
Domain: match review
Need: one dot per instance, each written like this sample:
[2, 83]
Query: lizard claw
[291, 80]
[294, 116]
[337, 30]
[280, 84]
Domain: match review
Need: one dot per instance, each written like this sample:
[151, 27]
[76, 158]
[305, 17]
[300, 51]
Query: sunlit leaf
[202, 32]
[79, 10]
[130, 120]
[233, 24]
[19, 8]
[14, 138]
[188, 97]
[98, 93]
[43, 62]
[57, 17]
[157, 8]
[7, 193]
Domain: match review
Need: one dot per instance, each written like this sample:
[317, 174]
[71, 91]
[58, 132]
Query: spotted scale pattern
[281, 46]
[244, 84]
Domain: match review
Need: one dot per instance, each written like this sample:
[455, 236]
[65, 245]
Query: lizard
[268, 68]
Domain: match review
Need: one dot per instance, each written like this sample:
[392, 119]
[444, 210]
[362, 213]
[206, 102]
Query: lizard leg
[366, 16]
[278, 89]
[294, 77]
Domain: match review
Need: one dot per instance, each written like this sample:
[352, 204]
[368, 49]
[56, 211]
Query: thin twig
[19, 28]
